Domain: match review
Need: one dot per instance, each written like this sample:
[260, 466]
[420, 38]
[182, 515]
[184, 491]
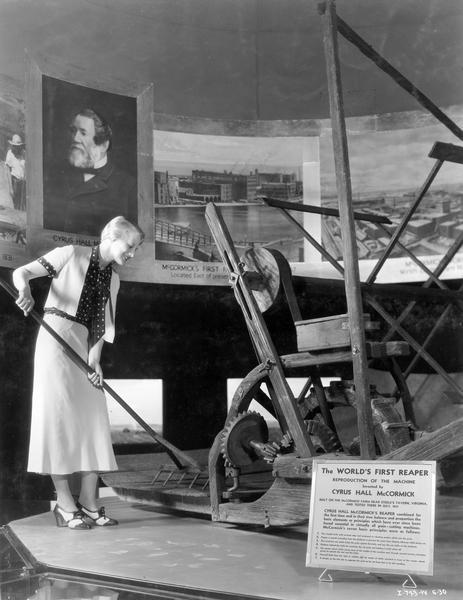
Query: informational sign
[373, 516]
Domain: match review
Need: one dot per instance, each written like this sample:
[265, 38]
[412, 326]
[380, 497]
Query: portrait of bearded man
[86, 192]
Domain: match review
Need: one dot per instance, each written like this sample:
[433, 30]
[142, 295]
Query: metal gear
[286, 441]
[237, 436]
[328, 440]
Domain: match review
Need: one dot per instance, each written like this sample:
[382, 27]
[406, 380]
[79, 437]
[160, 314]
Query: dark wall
[194, 339]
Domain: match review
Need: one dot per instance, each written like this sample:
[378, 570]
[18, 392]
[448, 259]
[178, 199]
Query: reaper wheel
[256, 387]
[239, 436]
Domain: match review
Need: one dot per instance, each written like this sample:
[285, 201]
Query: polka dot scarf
[95, 294]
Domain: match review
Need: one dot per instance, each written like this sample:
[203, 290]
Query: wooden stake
[344, 189]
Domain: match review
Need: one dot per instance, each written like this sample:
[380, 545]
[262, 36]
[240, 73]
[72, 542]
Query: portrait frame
[47, 83]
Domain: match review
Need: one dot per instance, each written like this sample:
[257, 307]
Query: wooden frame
[54, 90]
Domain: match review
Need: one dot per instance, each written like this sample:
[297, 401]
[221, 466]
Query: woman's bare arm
[21, 277]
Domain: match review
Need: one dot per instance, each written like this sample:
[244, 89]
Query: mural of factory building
[432, 230]
[210, 186]
[181, 231]
[389, 166]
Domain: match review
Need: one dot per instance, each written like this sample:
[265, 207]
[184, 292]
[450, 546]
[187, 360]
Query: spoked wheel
[257, 387]
[318, 405]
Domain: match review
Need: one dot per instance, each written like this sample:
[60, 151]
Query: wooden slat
[435, 445]
[443, 151]
[349, 242]
[374, 350]
[351, 36]
[313, 242]
[443, 442]
[404, 222]
[285, 503]
[307, 359]
[385, 349]
[320, 210]
[328, 333]
[292, 467]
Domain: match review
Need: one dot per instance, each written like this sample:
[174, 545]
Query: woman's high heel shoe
[96, 517]
[73, 520]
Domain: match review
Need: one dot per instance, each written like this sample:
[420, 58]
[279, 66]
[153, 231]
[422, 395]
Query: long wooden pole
[344, 189]
[180, 458]
[405, 220]
[321, 210]
[351, 36]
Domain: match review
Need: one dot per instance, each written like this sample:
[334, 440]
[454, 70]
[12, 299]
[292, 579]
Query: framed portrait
[90, 159]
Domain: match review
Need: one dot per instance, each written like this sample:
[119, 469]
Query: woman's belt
[61, 313]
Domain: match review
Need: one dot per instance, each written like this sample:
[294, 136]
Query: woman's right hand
[25, 300]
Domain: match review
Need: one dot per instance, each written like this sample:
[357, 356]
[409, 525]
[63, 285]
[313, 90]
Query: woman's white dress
[70, 428]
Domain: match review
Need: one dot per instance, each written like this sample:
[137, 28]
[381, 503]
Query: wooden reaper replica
[258, 475]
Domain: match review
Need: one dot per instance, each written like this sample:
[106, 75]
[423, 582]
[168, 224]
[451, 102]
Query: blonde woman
[69, 425]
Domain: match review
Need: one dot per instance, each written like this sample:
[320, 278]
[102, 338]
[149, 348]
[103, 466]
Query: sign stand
[326, 577]
[409, 582]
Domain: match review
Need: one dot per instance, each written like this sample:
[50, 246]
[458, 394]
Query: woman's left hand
[96, 378]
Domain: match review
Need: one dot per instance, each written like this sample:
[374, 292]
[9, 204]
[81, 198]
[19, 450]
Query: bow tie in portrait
[90, 170]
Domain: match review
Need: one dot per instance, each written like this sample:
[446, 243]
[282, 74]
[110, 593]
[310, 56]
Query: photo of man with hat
[16, 163]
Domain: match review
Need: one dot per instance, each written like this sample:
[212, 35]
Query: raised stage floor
[157, 554]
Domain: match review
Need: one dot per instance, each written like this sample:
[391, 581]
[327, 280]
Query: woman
[69, 426]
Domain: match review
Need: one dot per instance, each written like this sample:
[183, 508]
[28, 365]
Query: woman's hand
[96, 378]
[25, 300]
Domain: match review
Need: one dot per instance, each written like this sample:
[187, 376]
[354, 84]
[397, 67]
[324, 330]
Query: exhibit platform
[161, 554]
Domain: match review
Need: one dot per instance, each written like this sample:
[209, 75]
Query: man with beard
[83, 196]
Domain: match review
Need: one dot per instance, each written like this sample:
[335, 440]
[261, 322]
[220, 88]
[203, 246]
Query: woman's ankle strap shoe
[96, 517]
[73, 520]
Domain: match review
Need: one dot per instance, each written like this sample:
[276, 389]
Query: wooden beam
[331, 212]
[415, 259]
[351, 36]
[405, 220]
[349, 241]
[333, 262]
[436, 445]
[449, 152]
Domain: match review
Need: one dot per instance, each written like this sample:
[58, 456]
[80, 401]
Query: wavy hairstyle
[119, 227]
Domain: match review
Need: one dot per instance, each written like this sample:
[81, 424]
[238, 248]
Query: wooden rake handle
[180, 458]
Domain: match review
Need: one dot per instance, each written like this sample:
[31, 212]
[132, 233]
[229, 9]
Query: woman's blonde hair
[119, 227]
